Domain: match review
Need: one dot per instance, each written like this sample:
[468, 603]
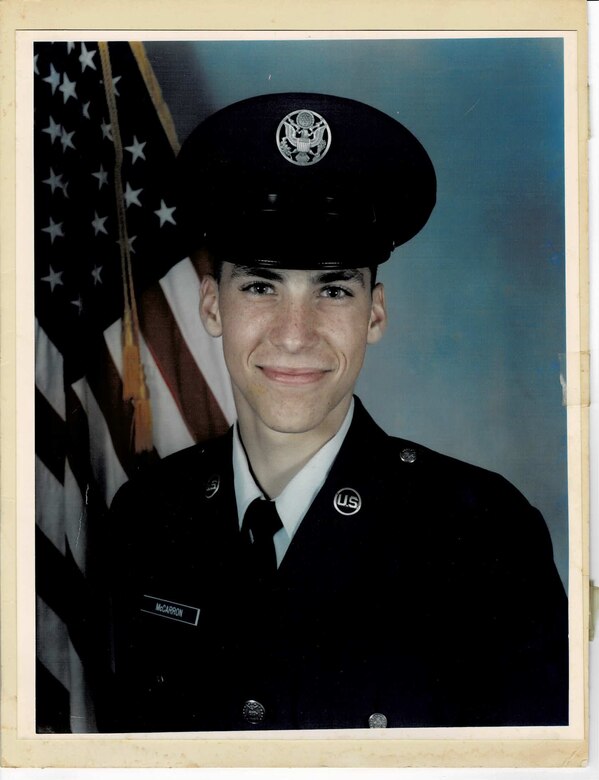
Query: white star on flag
[53, 278]
[54, 229]
[85, 109]
[66, 140]
[96, 271]
[101, 176]
[130, 241]
[78, 303]
[70, 46]
[131, 196]
[165, 213]
[53, 79]
[35, 70]
[98, 224]
[115, 81]
[53, 129]
[106, 130]
[54, 180]
[86, 58]
[136, 149]
[67, 88]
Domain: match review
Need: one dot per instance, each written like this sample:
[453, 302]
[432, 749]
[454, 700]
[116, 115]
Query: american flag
[111, 280]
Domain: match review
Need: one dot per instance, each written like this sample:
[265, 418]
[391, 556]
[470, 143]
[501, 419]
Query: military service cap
[299, 180]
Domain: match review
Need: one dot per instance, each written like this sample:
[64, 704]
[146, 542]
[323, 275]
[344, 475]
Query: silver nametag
[183, 613]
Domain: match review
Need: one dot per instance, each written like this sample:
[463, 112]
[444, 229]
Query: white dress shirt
[295, 500]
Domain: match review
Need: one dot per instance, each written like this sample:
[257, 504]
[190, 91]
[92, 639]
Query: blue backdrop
[472, 362]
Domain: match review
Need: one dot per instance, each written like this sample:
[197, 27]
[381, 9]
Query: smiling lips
[294, 376]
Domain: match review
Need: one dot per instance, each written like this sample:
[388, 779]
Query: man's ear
[378, 315]
[209, 308]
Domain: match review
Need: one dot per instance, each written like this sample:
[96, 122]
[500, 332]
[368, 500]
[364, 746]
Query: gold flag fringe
[134, 384]
[142, 420]
[133, 378]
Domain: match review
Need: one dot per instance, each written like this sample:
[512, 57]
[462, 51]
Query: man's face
[294, 341]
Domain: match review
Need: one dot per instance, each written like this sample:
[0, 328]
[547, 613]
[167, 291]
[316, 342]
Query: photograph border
[566, 746]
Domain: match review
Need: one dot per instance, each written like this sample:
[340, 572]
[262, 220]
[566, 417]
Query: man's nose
[294, 328]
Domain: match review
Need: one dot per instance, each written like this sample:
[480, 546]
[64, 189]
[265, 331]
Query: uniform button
[253, 711]
[408, 455]
[377, 721]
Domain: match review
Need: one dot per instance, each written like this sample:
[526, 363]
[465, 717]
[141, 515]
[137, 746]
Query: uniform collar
[295, 500]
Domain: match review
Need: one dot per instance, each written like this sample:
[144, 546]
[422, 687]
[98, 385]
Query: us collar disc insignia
[347, 501]
[303, 137]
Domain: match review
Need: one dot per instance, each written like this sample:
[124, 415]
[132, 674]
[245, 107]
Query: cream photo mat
[23, 23]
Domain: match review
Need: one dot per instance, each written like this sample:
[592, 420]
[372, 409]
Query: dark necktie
[260, 523]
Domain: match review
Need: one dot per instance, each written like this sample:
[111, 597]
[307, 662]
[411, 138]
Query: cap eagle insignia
[303, 137]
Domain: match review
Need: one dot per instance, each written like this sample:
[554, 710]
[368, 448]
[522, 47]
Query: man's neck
[275, 457]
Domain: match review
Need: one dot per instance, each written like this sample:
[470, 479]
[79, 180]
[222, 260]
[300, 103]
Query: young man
[308, 570]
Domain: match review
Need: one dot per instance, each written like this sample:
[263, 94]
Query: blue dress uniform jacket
[436, 603]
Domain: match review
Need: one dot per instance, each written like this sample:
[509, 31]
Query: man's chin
[292, 426]
[293, 420]
[293, 412]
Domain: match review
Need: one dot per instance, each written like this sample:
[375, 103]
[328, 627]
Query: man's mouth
[294, 376]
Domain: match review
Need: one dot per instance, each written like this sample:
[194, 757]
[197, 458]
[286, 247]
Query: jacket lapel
[332, 541]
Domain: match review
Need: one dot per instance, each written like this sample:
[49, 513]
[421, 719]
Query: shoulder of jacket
[197, 454]
[459, 500]
[187, 465]
[460, 476]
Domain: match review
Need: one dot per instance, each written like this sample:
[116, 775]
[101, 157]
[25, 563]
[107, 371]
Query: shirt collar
[295, 500]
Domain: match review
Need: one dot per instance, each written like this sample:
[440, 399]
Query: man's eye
[258, 288]
[333, 291]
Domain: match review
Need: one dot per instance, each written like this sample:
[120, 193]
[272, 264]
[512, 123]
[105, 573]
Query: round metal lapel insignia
[303, 137]
[212, 486]
[408, 455]
[347, 501]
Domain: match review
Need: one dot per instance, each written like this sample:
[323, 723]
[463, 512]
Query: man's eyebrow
[259, 272]
[317, 277]
[340, 275]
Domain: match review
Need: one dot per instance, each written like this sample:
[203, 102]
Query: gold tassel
[135, 390]
[143, 425]
[132, 370]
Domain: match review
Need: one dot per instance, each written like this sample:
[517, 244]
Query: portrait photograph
[301, 447]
